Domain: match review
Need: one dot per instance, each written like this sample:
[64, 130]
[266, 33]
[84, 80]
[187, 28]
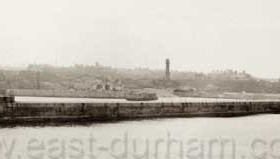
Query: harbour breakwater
[13, 113]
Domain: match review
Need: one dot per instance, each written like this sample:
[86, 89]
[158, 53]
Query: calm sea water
[240, 138]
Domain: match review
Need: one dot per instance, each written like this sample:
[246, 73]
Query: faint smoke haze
[197, 35]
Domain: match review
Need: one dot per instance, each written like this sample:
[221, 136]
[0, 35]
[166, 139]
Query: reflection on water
[244, 137]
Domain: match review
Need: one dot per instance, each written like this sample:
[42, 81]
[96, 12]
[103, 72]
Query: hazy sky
[197, 35]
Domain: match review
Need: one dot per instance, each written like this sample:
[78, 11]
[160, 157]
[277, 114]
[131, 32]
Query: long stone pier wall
[13, 113]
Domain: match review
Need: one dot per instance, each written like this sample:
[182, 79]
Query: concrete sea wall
[22, 113]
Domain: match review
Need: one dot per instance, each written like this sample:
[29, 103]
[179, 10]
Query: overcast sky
[197, 35]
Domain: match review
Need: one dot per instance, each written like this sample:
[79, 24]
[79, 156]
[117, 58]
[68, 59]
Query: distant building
[98, 85]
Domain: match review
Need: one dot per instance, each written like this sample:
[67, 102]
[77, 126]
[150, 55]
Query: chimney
[167, 70]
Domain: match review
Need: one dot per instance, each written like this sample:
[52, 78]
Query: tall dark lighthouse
[167, 69]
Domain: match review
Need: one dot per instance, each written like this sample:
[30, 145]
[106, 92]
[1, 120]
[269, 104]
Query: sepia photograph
[139, 79]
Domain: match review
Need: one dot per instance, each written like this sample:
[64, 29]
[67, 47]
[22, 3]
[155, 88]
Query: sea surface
[206, 138]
